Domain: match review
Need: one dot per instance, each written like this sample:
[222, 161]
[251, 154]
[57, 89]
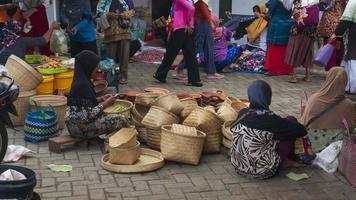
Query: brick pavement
[214, 178]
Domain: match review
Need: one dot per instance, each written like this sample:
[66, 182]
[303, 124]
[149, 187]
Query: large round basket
[149, 160]
[170, 102]
[189, 105]
[146, 98]
[181, 147]
[226, 112]
[126, 107]
[22, 106]
[58, 103]
[204, 120]
[156, 90]
[23, 74]
[157, 117]
[139, 112]
[238, 106]
[142, 134]
[154, 138]
[225, 129]
[226, 143]
[231, 99]
[212, 142]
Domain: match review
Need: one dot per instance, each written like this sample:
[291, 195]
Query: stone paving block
[137, 193]
[119, 189]
[175, 193]
[56, 194]
[74, 198]
[158, 189]
[113, 196]
[155, 197]
[80, 190]
[65, 186]
[193, 196]
[97, 194]
[140, 185]
[216, 184]
[46, 182]
[181, 178]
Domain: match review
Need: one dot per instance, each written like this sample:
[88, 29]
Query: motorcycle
[9, 92]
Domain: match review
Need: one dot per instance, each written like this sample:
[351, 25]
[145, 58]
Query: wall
[214, 4]
[244, 7]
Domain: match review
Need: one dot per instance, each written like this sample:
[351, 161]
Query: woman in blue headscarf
[262, 141]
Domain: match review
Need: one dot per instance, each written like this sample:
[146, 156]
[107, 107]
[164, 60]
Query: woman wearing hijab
[348, 24]
[327, 26]
[262, 141]
[34, 16]
[278, 36]
[301, 43]
[257, 30]
[326, 109]
[85, 117]
[118, 35]
[5, 7]
[181, 37]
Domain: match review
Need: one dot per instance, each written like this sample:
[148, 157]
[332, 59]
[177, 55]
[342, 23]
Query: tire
[3, 141]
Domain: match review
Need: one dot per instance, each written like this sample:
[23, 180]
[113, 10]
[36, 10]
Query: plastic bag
[328, 158]
[108, 65]
[59, 42]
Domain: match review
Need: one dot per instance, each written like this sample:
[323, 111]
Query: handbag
[347, 158]
[324, 54]
[308, 16]
[41, 125]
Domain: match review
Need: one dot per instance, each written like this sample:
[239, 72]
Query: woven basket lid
[123, 138]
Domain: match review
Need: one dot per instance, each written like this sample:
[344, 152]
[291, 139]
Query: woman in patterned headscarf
[262, 141]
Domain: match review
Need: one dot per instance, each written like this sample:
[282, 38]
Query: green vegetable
[118, 109]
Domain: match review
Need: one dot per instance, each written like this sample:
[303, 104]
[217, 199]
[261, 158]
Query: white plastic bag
[328, 158]
[59, 42]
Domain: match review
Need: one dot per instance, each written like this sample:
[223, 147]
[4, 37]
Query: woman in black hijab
[85, 117]
[262, 141]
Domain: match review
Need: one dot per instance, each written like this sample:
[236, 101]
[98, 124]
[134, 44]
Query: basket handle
[347, 128]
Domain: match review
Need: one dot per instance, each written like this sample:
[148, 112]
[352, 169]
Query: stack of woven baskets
[27, 79]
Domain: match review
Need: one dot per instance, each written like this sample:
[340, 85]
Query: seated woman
[85, 117]
[11, 41]
[326, 109]
[257, 30]
[262, 141]
[223, 55]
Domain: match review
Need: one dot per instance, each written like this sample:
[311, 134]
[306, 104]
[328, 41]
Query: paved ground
[214, 178]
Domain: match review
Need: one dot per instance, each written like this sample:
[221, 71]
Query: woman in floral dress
[85, 117]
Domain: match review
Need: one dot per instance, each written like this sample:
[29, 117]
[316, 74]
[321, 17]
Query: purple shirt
[221, 46]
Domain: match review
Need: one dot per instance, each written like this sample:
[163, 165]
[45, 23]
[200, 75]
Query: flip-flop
[307, 80]
[293, 81]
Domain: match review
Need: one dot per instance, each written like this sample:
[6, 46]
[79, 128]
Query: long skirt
[204, 41]
[300, 51]
[350, 68]
[40, 26]
[275, 60]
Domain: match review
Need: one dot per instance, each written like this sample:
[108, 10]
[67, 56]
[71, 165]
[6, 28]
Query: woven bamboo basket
[139, 111]
[170, 102]
[142, 134]
[124, 156]
[231, 99]
[212, 142]
[58, 103]
[238, 106]
[146, 98]
[184, 130]
[124, 138]
[154, 138]
[156, 90]
[226, 143]
[23, 74]
[181, 147]
[189, 105]
[204, 120]
[157, 117]
[22, 106]
[226, 112]
[124, 103]
[225, 129]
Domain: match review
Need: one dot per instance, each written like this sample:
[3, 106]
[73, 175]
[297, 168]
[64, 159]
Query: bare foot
[293, 80]
[307, 79]
[291, 164]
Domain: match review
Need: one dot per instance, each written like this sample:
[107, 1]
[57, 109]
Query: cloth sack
[308, 16]
[41, 125]
[347, 159]
[323, 56]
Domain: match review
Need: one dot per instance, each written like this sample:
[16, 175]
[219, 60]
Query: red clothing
[275, 60]
[202, 12]
[39, 23]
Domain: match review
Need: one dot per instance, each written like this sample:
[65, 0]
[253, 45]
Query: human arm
[31, 42]
[48, 34]
[342, 27]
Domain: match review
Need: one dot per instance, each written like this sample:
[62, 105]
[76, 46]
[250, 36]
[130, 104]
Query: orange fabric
[4, 17]
[202, 12]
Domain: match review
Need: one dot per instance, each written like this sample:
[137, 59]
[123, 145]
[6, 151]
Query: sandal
[195, 84]
[293, 80]
[308, 80]
[158, 79]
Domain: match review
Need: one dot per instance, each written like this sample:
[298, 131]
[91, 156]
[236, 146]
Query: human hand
[29, 13]
[189, 29]
[74, 30]
[55, 25]
[109, 102]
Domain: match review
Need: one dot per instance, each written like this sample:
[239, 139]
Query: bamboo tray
[155, 162]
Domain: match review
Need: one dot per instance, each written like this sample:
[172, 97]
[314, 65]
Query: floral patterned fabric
[310, 31]
[321, 138]
[10, 32]
[253, 153]
[331, 18]
[251, 61]
[86, 122]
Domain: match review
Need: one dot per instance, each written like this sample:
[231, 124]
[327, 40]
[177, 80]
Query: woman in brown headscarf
[328, 127]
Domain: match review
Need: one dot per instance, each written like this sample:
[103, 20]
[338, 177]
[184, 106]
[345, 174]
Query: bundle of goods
[251, 61]
[126, 156]
[182, 144]
[207, 121]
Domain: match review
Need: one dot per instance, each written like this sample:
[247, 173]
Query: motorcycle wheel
[3, 141]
